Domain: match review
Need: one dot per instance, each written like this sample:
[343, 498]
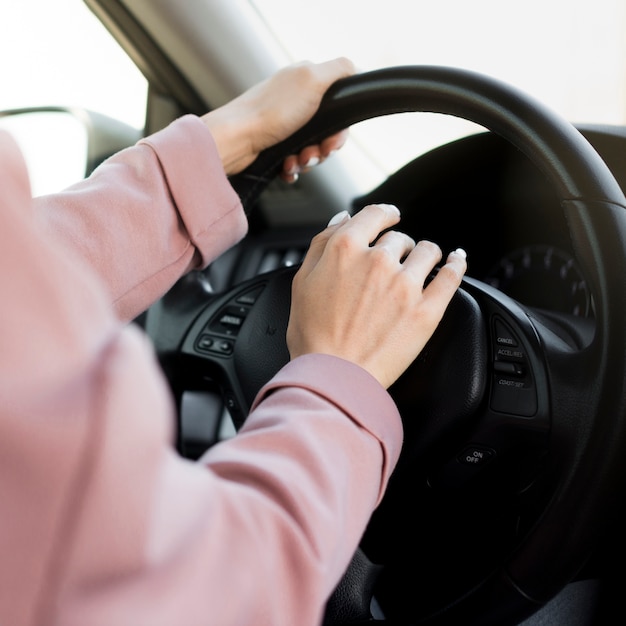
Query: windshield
[571, 54]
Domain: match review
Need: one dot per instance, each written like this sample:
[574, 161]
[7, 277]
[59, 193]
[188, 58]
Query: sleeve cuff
[208, 205]
[353, 390]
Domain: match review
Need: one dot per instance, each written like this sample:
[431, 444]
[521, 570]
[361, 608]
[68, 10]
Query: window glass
[571, 54]
[57, 53]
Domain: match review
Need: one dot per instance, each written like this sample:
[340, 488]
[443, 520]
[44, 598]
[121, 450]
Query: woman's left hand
[272, 111]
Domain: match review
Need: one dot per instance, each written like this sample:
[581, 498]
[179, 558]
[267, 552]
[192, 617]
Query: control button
[513, 395]
[225, 347]
[231, 320]
[509, 353]
[506, 367]
[250, 297]
[476, 455]
[504, 337]
[215, 345]
[204, 343]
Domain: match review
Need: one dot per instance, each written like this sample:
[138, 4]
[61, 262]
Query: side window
[57, 55]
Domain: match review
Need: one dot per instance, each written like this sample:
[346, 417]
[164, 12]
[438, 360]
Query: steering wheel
[514, 418]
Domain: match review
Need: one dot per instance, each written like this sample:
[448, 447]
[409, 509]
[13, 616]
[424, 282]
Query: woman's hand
[367, 303]
[272, 111]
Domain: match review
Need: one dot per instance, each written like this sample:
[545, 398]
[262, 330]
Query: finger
[449, 277]
[397, 244]
[291, 169]
[294, 165]
[339, 67]
[371, 220]
[314, 155]
[309, 157]
[422, 259]
[338, 219]
[364, 227]
[452, 271]
[333, 143]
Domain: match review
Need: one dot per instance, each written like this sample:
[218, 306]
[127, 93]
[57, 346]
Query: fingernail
[340, 217]
[390, 208]
[461, 252]
[312, 162]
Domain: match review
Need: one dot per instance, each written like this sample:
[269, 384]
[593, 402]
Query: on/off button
[476, 455]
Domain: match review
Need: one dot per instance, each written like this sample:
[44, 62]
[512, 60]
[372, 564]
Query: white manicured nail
[312, 162]
[461, 252]
[340, 217]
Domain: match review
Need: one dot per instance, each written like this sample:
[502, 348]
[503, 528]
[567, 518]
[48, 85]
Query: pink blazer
[101, 522]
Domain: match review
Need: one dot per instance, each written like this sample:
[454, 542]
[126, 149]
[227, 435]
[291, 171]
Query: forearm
[274, 513]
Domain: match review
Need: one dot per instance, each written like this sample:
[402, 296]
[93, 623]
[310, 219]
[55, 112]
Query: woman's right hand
[360, 295]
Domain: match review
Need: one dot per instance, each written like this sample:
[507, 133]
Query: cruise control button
[504, 337]
[506, 367]
[516, 396]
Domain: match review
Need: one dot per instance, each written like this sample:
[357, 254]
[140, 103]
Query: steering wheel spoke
[239, 338]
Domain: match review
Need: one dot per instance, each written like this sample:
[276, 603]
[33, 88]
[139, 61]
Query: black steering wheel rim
[538, 132]
[594, 206]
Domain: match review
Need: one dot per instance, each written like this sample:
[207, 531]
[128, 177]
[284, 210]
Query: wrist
[232, 135]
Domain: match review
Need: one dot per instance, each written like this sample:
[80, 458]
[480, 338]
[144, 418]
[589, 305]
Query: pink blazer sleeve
[149, 214]
[101, 523]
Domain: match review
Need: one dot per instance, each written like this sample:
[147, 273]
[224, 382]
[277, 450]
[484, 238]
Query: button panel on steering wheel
[219, 334]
